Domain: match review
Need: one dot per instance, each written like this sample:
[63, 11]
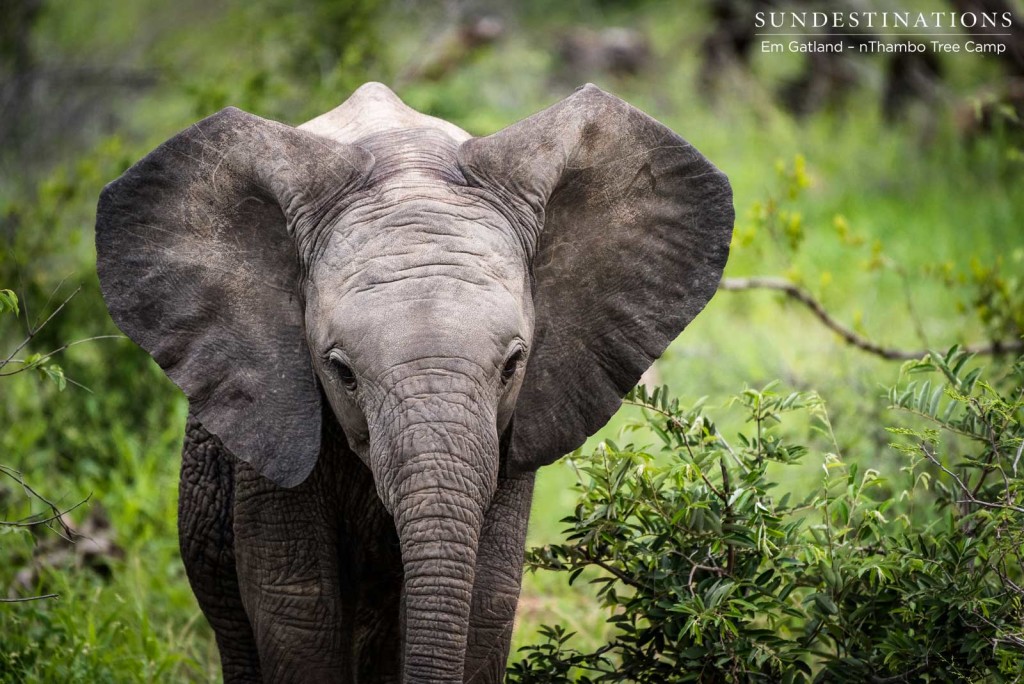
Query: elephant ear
[198, 251]
[635, 226]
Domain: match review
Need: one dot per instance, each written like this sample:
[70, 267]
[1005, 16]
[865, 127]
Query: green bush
[710, 573]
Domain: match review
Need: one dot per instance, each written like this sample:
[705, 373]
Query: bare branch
[53, 293]
[57, 513]
[794, 291]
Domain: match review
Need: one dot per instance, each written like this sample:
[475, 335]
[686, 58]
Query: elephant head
[467, 307]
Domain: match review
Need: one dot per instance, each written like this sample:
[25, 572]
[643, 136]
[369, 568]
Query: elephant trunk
[438, 484]
[439, 533]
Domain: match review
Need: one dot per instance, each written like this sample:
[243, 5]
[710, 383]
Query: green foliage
[713, 571]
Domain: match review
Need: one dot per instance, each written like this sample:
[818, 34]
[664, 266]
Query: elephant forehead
[455, 292]
[441, 309]
[426, 266]
[402, 240]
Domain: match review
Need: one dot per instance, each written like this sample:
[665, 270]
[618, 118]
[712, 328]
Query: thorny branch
[794, 291]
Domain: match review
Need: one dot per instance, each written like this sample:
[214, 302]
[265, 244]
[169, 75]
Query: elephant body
[384, 326]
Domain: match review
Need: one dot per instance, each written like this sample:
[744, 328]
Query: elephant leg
[206, 539]
[371, 575]
[286, 546]
[499, 575]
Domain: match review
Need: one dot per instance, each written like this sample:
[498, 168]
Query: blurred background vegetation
[888, 189]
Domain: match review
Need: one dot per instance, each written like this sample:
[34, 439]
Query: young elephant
[384, 327]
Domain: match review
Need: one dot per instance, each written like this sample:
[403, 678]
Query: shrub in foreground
[711, 572]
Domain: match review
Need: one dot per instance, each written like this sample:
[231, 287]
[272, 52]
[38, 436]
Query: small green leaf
[55, 373]
[9, 302]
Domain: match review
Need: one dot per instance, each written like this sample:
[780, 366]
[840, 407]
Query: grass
[923, 201]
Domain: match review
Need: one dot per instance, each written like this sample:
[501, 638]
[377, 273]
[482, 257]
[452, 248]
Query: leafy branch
[38, 361]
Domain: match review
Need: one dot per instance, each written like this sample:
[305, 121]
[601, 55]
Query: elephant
[384, 326]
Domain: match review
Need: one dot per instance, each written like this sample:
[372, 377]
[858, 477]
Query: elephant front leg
[499, 575]
[286, 547]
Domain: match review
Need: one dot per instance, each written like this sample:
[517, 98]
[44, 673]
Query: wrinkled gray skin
[384, 327]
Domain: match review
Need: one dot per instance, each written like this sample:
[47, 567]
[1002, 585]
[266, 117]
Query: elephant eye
[344, 371]
[511, 366]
